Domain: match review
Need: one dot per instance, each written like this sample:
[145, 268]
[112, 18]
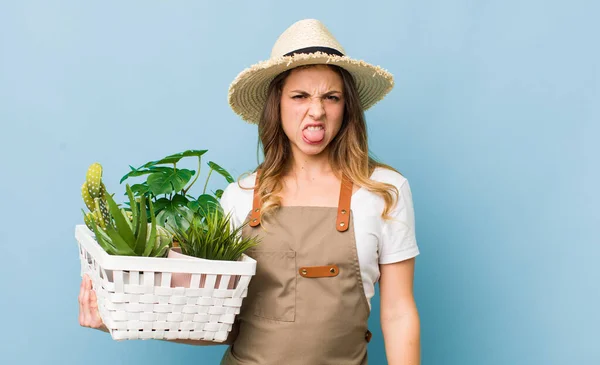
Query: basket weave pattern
[136, 300]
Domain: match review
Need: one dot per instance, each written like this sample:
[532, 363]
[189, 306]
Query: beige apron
[306, 304]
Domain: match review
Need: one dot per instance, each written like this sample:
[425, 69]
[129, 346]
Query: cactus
[102, 208]
[93, 178]
[93, 193]
[87, 198]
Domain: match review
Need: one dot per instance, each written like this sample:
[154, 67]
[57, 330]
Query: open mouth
[313, 133]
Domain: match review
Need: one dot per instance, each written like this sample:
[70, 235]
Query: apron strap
[343, 214]
[255, 215]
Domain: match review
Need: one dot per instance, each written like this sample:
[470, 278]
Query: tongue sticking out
[314, 136]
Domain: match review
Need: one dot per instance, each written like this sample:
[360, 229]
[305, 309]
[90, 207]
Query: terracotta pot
[183, 280]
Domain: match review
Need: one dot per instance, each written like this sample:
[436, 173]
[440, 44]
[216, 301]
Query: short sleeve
[398, 239]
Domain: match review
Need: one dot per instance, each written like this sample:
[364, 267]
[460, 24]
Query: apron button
[343, 211]
[342, 224]
[304, 272]
[332, 270]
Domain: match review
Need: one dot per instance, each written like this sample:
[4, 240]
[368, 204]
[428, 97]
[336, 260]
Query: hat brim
[248, 92]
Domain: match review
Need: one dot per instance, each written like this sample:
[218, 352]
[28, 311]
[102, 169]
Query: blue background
[494, 120]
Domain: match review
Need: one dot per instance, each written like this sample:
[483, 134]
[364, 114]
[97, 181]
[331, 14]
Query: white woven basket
[136, 300]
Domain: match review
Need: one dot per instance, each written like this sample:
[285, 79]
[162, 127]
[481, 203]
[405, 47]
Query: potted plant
[124, 249]
[209, 236]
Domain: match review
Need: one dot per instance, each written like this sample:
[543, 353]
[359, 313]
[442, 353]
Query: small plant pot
[183, 280]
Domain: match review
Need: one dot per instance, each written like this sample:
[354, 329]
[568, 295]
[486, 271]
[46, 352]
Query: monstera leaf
[165, 182]
[221, 171]
[168, 187]
[144, 171]
[171, 159]
[173, 213]
[204, 204]
[139, 189]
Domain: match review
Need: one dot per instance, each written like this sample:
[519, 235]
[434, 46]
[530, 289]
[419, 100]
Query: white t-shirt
[377, 241]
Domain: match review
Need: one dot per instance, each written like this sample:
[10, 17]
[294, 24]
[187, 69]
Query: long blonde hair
[348, 151]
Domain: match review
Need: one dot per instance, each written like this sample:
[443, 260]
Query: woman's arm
[399, 317]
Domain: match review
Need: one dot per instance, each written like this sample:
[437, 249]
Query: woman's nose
[316, 109]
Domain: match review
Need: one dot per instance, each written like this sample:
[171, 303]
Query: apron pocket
[273, 288]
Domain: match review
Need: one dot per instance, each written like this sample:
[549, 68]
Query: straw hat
[306, 42]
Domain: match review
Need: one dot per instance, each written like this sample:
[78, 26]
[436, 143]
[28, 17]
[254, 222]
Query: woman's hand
[88, 306]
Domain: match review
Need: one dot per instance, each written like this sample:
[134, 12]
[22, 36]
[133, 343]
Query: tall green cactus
[93, 178]
[93, 193]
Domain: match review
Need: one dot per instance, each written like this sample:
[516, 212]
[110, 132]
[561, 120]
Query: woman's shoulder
[239, 189]
[372, 203]
[387, 175]
[236, 199]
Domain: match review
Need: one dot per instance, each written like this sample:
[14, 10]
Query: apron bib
[306, 304]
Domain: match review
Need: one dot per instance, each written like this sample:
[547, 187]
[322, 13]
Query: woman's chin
[313, 149]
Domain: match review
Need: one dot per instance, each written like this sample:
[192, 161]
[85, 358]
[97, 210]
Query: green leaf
[218, 193]
[171, 159]
[142, 226]
[121, 247]
[139, 189]
[166, 182]
[128, 220]
[134, 209]
[133, 172]
[205, 203]
[179, 200]
[162, 203]
[152, 239]
[221, 171]
[101, 241]
[142, 171]
[122, 228]
[175, 214]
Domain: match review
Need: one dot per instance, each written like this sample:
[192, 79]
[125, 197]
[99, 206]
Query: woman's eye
[333, 97]
[298, 96]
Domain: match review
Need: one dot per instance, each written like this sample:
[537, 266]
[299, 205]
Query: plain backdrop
[494, 120]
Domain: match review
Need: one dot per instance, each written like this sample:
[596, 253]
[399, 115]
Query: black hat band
[308, 50]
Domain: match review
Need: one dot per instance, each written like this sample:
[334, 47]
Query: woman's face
[312, 108]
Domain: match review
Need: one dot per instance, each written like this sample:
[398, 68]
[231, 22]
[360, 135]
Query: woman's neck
[309, 168]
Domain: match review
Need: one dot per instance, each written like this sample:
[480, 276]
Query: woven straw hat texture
[248, 91]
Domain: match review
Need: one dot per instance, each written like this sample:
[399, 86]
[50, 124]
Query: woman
[332, 221]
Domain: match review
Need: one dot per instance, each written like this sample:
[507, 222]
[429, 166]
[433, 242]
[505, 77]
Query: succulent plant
[210, 235]
[129, 233]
